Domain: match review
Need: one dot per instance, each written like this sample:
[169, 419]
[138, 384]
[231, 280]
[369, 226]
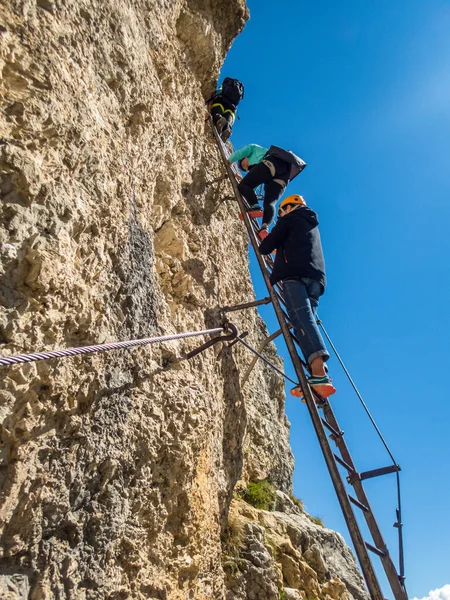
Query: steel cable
[399, 523]
[25, 358]
[264, 359]
[372, 420]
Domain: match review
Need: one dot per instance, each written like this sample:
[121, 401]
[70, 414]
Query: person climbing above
[222, 106]
[274, 168]
[300, 266]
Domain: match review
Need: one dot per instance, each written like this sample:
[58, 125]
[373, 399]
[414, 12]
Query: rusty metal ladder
[327, 428]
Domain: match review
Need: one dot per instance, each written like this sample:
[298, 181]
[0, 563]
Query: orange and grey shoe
[254, 212]
[321, 385]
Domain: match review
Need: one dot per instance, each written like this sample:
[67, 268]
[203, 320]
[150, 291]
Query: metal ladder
[326, 427]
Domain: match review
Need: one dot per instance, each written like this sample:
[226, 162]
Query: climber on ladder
[300, 267]
[222, 106]
[274, 168]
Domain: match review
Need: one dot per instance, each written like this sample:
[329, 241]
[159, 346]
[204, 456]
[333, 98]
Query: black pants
[216, 113]
[260, 174]
[221, 107]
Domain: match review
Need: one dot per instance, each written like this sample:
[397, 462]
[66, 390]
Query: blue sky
[361, 90]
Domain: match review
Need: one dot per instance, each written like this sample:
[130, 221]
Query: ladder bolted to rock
[327, 426]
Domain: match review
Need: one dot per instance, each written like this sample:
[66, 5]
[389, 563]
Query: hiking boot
[220, 124]
[226, 132]
[321, 385]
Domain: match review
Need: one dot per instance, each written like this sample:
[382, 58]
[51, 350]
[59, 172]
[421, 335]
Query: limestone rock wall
[285, 554]
[117, 470]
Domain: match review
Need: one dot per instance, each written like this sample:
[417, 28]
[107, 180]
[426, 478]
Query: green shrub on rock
[260, 494]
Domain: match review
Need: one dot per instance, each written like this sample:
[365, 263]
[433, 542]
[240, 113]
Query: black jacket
[296, 239]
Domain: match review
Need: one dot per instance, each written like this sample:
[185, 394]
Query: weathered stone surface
[254, 576]
[14, 587]
[299, 555]
[293, 594]
[117, 470]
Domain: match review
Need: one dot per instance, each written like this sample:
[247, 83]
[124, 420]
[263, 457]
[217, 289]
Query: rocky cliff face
[117, 470]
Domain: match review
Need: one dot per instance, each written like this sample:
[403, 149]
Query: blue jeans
[302, 299]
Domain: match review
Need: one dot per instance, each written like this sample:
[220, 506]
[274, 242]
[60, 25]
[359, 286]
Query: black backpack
[296, 163]
[233, 90]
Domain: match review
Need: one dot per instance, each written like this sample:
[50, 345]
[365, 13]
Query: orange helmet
[294, 199]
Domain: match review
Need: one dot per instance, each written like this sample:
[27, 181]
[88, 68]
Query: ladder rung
[359, 504]
[334, 431]
[378, 472]
[375, 550]
[344, 464]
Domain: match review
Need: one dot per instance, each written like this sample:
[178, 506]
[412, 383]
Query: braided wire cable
[25, 358]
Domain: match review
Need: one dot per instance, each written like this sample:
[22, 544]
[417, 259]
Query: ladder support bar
[334, 431]
[378, 472]
[227, 309]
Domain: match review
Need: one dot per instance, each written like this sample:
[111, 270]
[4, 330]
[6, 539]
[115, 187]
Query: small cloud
[442, 593]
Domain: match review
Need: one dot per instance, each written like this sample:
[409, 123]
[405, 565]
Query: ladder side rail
[391, 572]
[398, 524]
[349, 516]
[388, 565]
[372, 524]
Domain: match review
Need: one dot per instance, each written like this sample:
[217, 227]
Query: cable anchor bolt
[228, 327]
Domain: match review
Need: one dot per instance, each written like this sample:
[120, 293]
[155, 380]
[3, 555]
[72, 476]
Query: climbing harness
[327, 426]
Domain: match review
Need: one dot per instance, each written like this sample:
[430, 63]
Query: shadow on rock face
[234, 421]
[203, 197]
[135, 265]
[234, 427]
